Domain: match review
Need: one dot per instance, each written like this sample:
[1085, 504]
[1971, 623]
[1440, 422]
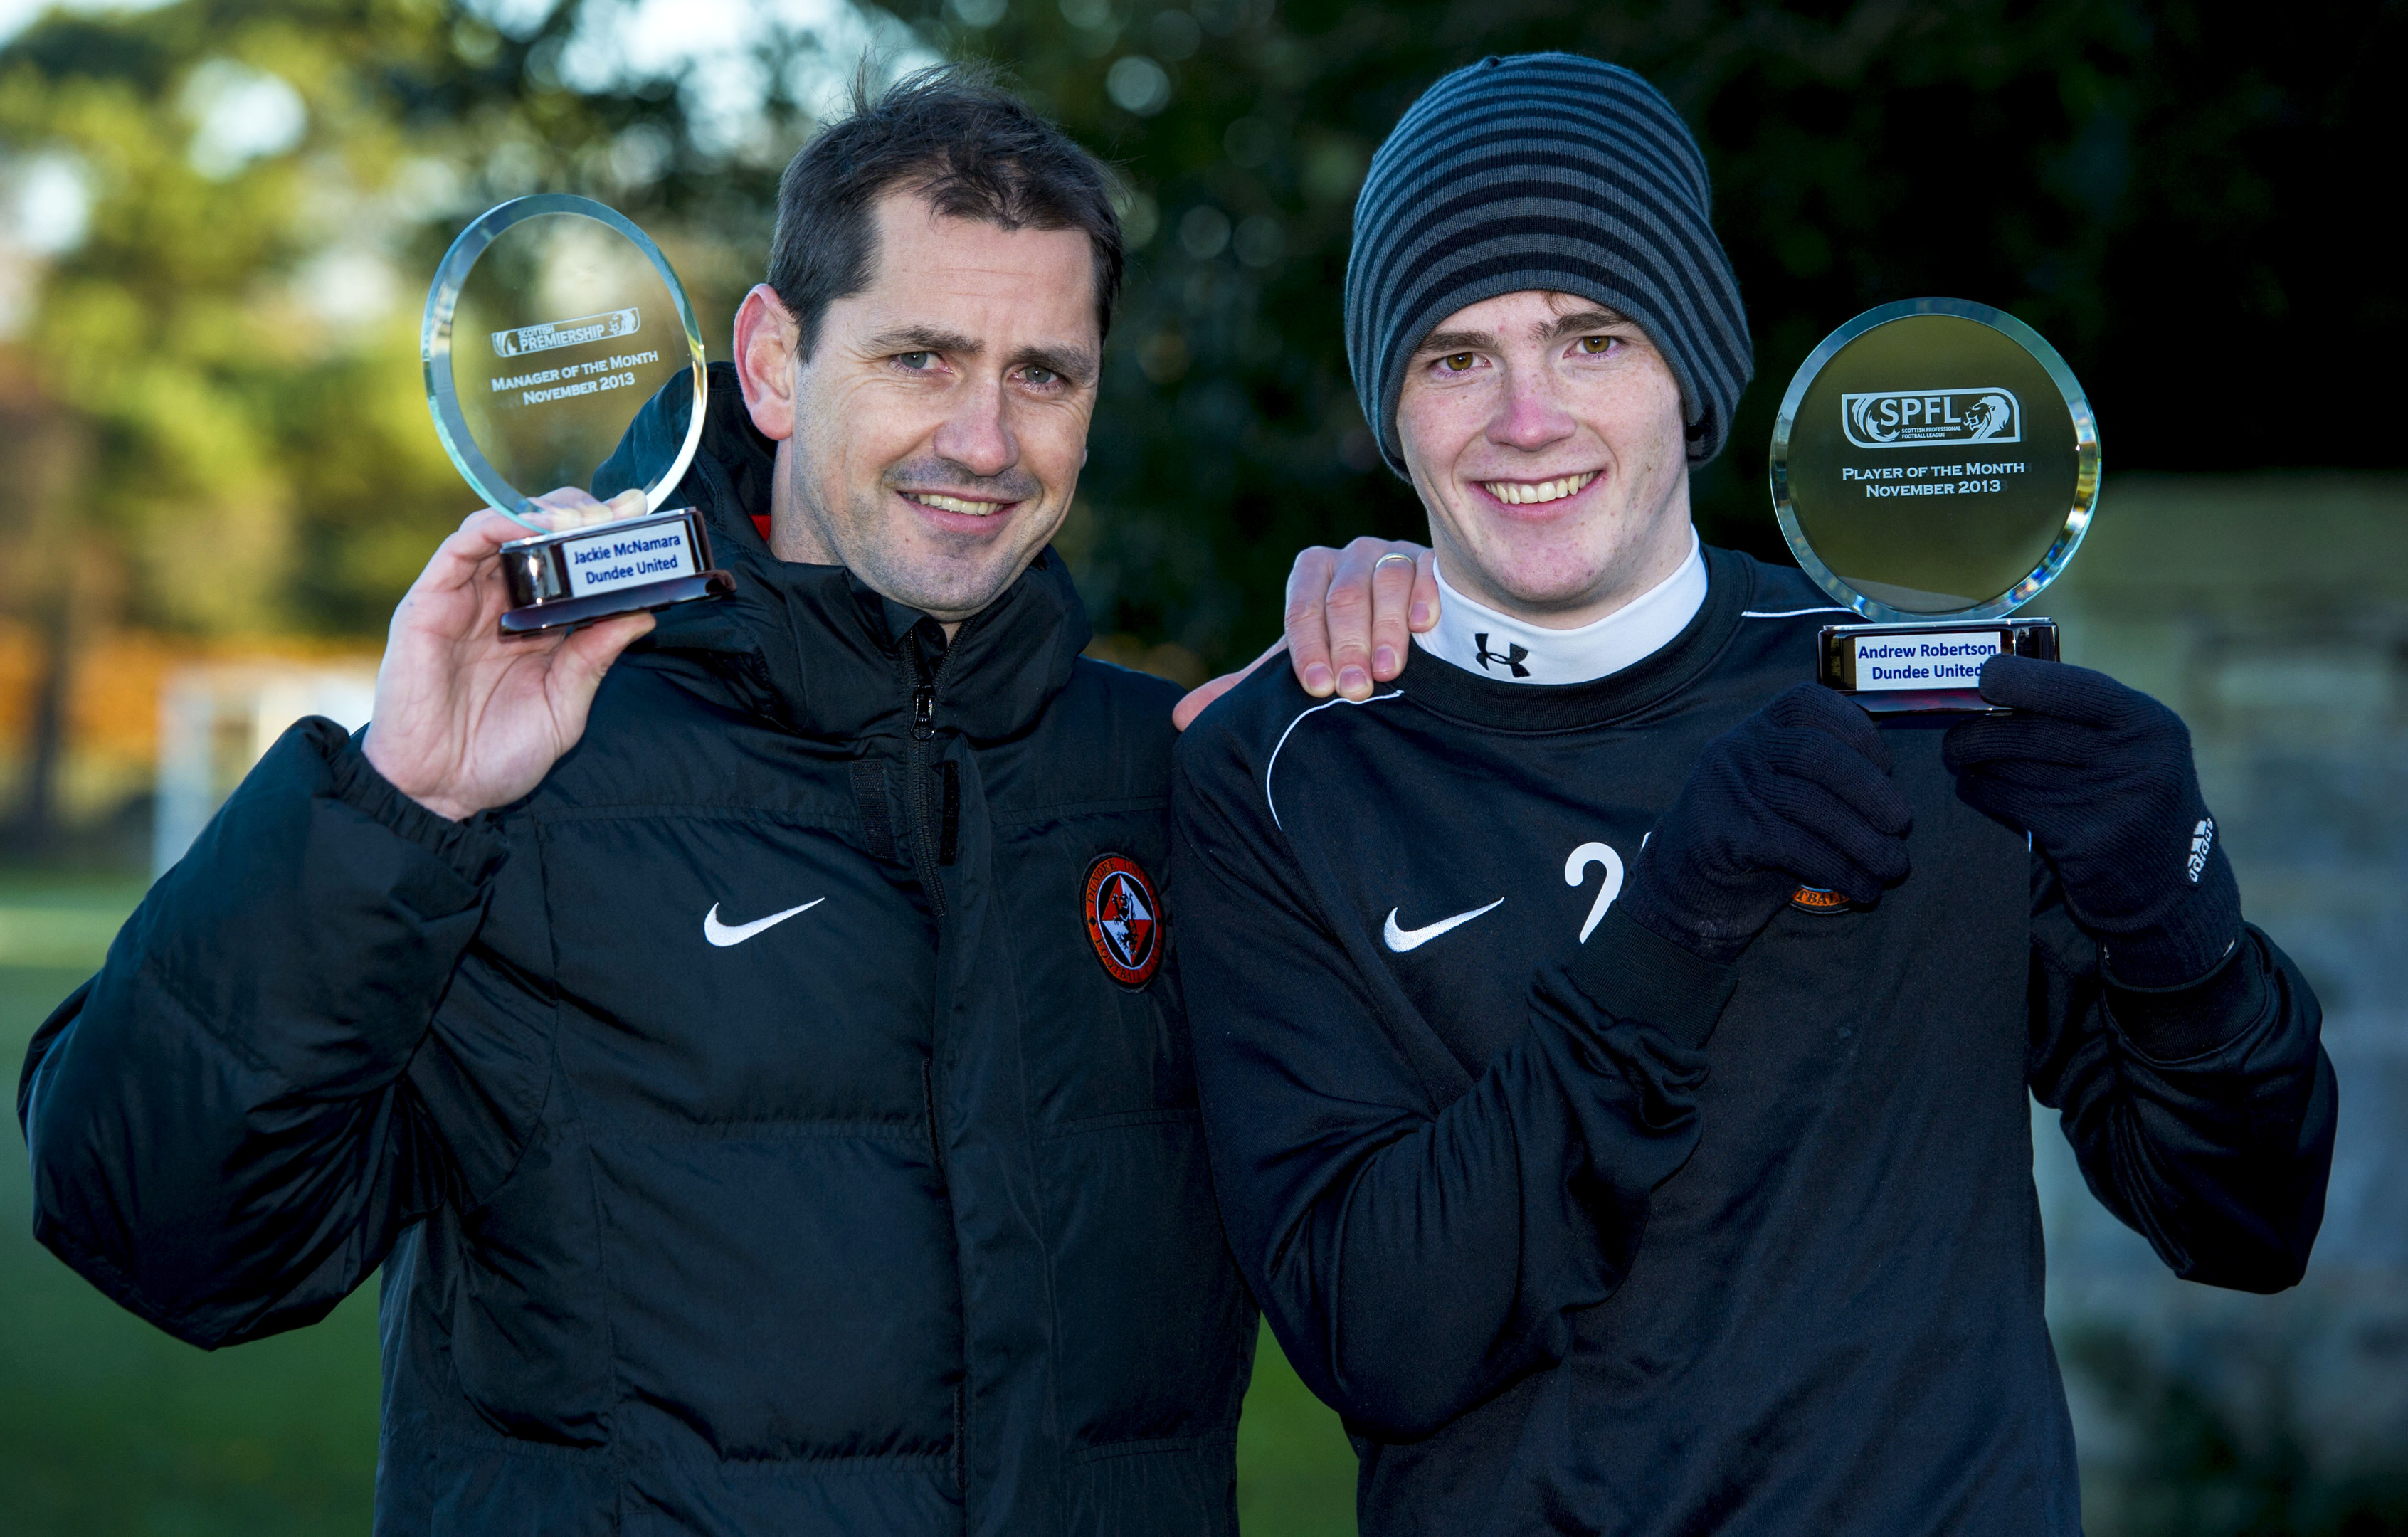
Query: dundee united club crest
[1123, 919]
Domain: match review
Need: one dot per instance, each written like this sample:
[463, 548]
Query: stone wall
[2273, 614]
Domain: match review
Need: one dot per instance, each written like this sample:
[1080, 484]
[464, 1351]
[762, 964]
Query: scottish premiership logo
[568, 333]
[1933, 418]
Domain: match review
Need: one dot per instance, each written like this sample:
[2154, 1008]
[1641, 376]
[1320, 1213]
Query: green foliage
[177, 330]
[238, 334]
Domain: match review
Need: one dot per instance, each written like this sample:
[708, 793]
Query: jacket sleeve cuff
[2176, 1024]
[1626, 973]
[473, 850]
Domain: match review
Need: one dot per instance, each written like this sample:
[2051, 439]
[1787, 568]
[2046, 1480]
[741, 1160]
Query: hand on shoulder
[1351, 614]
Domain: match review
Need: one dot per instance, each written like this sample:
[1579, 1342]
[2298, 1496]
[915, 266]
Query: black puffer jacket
[889, 1217]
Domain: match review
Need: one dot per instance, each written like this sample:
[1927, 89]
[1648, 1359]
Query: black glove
[1797, 793]
[2101, 776]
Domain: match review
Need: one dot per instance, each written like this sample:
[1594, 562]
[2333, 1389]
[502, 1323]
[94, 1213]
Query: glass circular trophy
[551, 323]
[1934, 467]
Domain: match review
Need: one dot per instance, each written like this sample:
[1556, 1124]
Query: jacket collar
[810, 646]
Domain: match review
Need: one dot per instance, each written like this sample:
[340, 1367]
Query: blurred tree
[45, 579]
[231, 333]
[204, 335]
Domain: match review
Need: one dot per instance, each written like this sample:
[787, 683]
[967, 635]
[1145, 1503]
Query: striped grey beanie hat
[1544, 171]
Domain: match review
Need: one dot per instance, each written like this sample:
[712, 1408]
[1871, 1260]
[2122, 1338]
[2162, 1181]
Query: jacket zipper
[919, 780]
[919, 806]
[920, 791]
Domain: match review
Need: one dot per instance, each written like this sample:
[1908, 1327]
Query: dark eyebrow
[1076, 364]
[1586, 320]
[1443, 342]
[1440, 343]
[922, 339]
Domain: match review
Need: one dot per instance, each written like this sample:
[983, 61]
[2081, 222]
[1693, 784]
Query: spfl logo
[1921, 418]
[567, 333]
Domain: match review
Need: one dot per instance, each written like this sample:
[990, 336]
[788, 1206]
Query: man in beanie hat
[1599, 1185]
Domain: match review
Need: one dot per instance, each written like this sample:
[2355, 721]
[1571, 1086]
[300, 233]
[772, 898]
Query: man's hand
[1351, 614]
[1797, 793]
[465, 720]
[2102, 777]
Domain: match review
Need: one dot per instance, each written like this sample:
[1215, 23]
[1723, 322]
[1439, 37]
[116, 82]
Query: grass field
[110, 1428]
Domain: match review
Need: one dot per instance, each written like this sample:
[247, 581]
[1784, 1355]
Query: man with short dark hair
[759, 1091]
[1602, 1184]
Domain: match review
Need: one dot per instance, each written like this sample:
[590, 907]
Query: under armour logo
[1512, 656]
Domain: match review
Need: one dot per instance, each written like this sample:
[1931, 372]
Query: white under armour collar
[1479, 640]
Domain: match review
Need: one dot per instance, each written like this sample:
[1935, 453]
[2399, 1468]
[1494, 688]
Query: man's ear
[765, 336]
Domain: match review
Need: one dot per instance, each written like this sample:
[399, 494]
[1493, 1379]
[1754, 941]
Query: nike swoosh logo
[724, 934]
[1402, 939]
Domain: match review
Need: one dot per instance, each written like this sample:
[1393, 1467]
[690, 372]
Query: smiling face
[932, 441]
[1546, 436]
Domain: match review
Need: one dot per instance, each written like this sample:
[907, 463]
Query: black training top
[1573, 1255]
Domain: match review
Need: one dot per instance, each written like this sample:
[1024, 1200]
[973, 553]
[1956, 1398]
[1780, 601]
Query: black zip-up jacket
[1572, 1255]
[888, 1217]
